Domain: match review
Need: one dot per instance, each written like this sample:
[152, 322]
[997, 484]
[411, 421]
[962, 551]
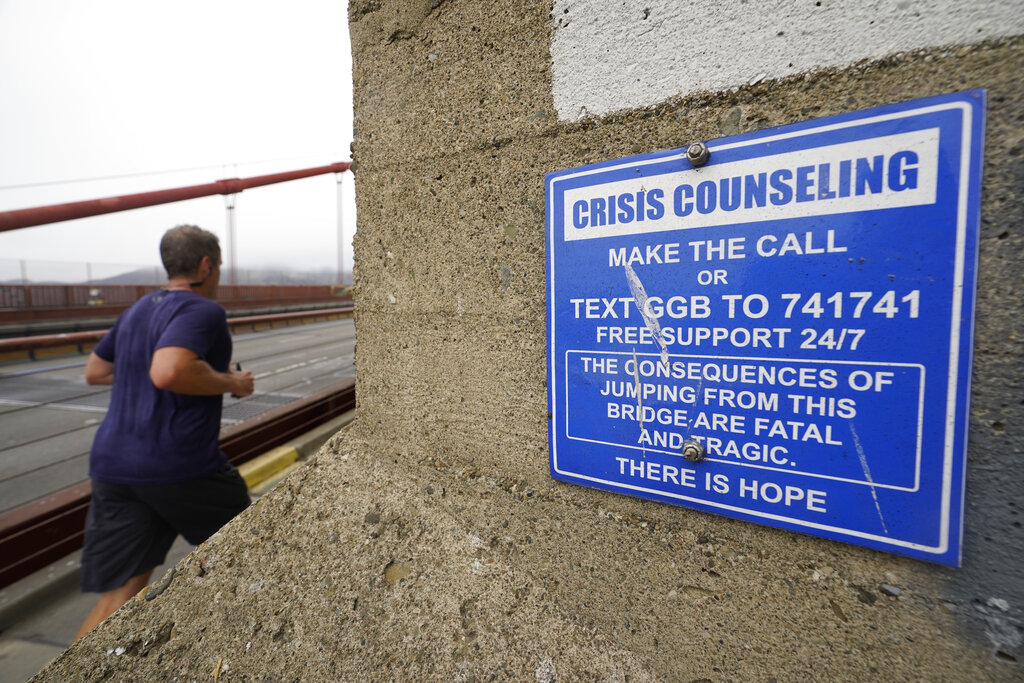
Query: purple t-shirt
[152, 436]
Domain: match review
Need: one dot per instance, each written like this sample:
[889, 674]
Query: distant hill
[139, 276]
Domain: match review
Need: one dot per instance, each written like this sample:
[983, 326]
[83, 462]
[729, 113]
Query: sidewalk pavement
[40, 614]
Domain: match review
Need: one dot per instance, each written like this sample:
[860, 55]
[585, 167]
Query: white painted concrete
[610, 55]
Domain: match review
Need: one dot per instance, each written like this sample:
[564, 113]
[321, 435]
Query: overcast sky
[233, 88]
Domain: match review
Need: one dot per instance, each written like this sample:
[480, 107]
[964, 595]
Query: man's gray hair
[184, 246]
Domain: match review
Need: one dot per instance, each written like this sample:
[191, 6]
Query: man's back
[152, 436]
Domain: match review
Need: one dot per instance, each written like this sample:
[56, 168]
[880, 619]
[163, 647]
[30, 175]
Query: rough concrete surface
[373, 566]
[429, 542]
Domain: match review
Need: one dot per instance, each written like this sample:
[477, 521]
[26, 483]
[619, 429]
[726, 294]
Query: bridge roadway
[49, 415]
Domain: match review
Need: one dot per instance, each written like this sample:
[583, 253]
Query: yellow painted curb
[265, 466]
[272, 481]
[56, 351]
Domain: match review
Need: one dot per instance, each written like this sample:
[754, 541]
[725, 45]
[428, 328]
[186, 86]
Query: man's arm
[181, 370]
[98, 371]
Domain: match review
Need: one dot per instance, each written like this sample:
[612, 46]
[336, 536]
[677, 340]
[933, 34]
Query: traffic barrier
[79, 342]
[32, 303]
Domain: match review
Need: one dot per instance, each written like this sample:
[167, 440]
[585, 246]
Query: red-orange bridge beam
[41, 215]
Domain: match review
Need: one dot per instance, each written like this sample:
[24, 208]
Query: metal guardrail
[90, 337]
[28, 303]
[49, 528]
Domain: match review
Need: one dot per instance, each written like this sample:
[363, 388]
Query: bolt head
[698, 153]
[693, 451]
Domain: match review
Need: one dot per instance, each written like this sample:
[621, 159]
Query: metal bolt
[693, 451]
[698, 153]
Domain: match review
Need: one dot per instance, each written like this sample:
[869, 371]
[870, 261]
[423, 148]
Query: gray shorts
[129, 529]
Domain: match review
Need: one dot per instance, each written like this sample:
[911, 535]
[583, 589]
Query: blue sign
[782, 334]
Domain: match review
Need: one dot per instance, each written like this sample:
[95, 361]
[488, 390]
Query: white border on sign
[862, 482]
[955, 326]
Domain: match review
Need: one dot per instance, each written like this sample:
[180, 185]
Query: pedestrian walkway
[41, 614]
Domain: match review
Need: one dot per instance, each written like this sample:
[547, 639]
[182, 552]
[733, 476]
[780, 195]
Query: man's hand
[246, 385]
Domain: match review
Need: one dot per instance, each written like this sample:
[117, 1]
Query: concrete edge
[265, 466]
[264, 471]
[309, 443]
[29, 593]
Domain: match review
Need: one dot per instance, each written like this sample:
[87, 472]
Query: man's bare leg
[110, 601]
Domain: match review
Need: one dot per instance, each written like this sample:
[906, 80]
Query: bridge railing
[22, 303]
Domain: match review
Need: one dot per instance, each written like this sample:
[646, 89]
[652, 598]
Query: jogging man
[155, 465]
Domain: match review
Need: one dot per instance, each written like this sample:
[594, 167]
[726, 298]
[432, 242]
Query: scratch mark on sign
[640, 298]
[867, 474]
[639, 399]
